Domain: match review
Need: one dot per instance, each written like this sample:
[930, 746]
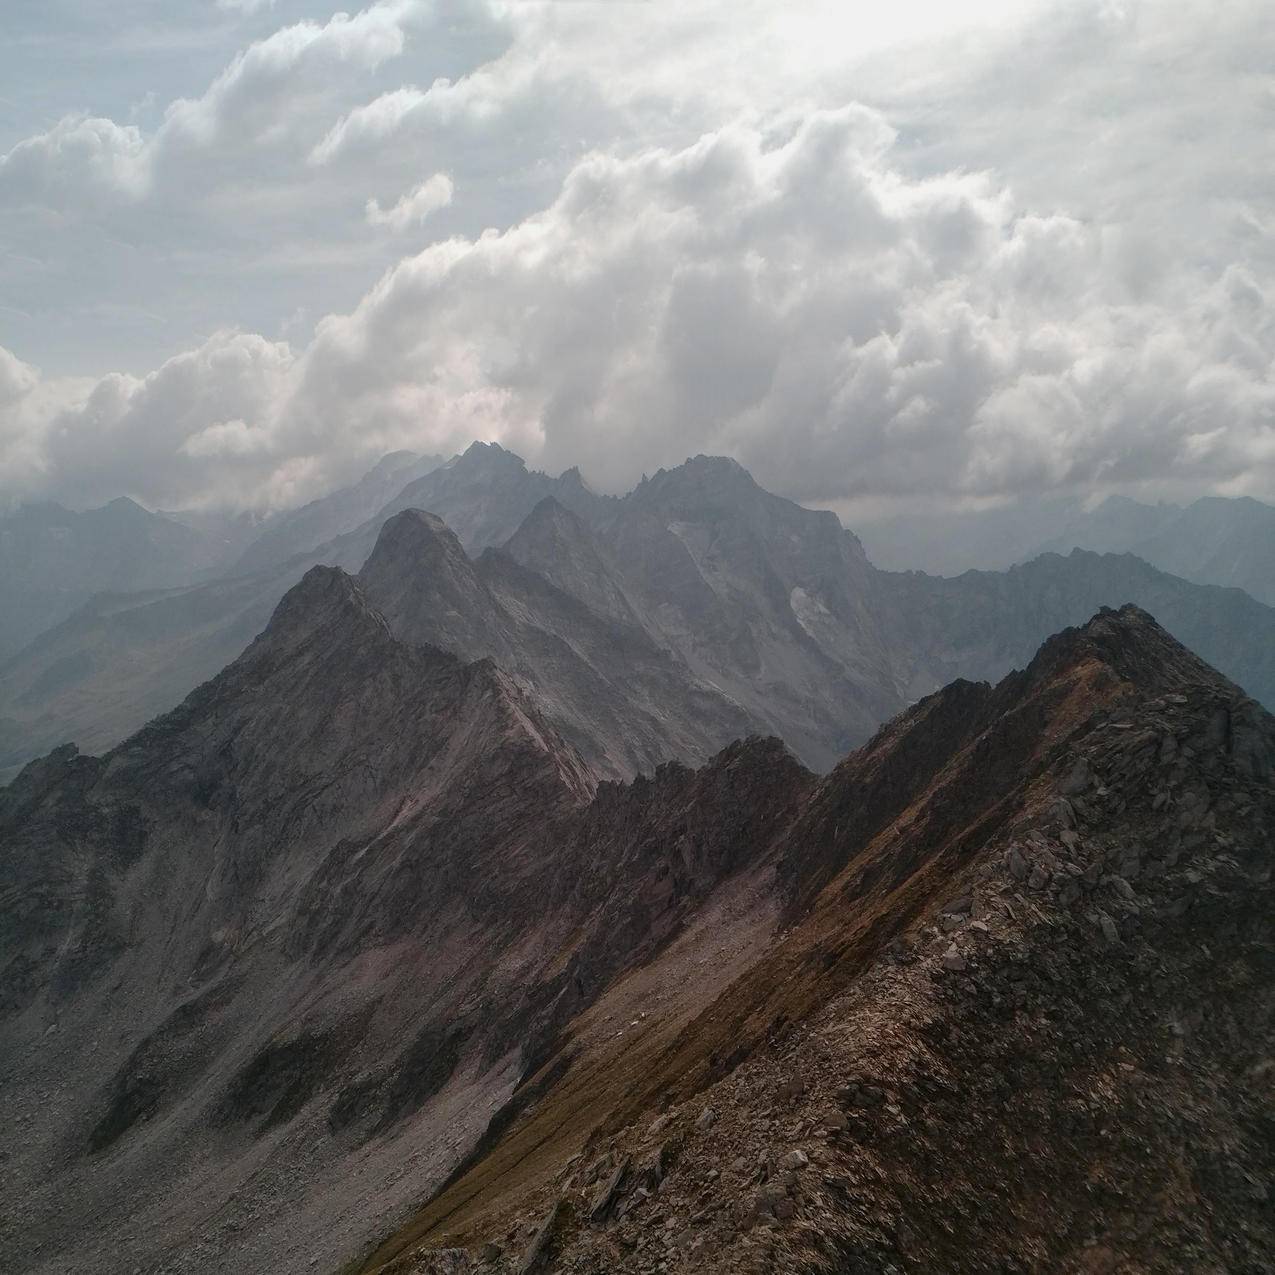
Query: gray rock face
[229, 873]
[624, 701]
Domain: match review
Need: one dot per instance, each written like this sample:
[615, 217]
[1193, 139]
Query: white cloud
[1019, 267]
[79, 157]
[431, 195]
[898, 335]
[178, 434]
[800, 303]
[372, 122]
[260, 97]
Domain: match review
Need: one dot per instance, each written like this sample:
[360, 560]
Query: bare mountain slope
[191, 960]
[767, 600]
[120, 659]
[1012, 1010]
[307, 930]
[351, 929]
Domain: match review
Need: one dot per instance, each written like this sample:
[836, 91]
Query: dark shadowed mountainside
[1011, 1011]
[355, 928]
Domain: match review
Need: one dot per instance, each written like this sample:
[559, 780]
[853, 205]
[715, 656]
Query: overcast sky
[879, 253]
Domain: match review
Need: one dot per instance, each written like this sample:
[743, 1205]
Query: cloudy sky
[248, 246]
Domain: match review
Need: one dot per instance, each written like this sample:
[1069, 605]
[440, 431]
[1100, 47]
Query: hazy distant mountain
[304, 529]
[1216, 540]
[53, 559]
[483, 495]
[121, 659]
[948, 542]
[767, 600]
[982, 624]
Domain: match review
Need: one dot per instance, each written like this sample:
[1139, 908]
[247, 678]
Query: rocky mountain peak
[706, 484]
[324, 598]
[429, 590]
[124, 507]
[480, 456]
[1134, 647]
[411, 539]
[1038, 944]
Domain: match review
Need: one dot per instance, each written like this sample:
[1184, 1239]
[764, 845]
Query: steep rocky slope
[119, 659]
[287, 950]
[352, 929]
[769, 601]
[622, 700]
[1012, 1010]
[250, 931]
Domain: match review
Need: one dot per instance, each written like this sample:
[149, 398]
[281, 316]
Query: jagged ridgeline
[694, 610]
[354, 962]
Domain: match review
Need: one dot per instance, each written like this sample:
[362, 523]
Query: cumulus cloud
[794, 300]
[178, 434]
[431, 195]
[371, 123]
[263, 92]
[1017, 269]
[898, 335]
[79, 157]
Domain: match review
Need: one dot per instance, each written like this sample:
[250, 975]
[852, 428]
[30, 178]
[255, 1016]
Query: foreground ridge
[1029, 1034]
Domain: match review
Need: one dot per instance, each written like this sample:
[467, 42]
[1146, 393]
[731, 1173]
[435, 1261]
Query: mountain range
[353, 961]
[655, 626]
[1227, 541]
[53, 560]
